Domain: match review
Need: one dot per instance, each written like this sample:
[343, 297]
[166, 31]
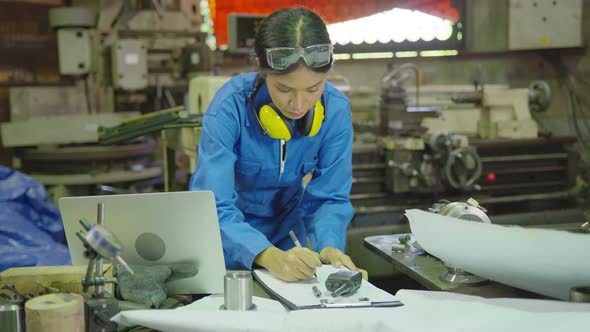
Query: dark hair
[291, 27]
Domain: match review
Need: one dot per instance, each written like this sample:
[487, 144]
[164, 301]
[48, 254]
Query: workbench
[426, 269]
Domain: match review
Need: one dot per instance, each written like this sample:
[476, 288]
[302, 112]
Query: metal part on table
[343, 282]
[456, 276]
[414, 263]
[470, 210]
[12, 317]
[316, 291]
[362, 303]
[399, 247]
[426, 270]
[405, 239]
[237, 292]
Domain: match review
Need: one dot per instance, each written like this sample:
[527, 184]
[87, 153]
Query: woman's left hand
[336, 258]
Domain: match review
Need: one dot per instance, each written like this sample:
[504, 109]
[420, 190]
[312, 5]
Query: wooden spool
[55, 313]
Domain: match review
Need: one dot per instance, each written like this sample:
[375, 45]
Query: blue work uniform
[257, 204]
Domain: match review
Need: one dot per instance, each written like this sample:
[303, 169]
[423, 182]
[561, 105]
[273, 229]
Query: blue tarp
[31, 229]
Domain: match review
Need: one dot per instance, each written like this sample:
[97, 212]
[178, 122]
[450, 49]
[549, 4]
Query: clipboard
[299, 295]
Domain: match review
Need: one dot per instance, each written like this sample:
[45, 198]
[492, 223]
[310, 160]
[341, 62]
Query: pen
[297, 244]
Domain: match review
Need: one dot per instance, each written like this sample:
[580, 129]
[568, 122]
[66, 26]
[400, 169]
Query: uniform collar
[259, 99]
[262, 96]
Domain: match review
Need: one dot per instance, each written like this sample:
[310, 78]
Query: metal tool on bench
[361, 303]
[100, 244]
[343, 282]
[472, 211]
[237, 291]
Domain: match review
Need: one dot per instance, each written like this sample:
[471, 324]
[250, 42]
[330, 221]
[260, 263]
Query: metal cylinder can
[12, 317]
[238, 291]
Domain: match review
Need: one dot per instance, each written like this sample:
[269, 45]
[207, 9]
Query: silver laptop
[156, 228]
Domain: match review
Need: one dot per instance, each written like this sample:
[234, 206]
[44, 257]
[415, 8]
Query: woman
[261, 134]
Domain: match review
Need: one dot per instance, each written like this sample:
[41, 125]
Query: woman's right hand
[292, 265]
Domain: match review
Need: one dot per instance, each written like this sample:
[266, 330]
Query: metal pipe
[86, 282]
[527, 157]
[98, 276]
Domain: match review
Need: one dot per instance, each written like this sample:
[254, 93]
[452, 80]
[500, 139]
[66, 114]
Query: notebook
[300, 295]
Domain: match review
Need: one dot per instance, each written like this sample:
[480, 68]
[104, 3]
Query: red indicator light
[491, 177]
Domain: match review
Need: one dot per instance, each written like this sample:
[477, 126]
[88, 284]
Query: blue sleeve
[326, 203]
[215, 172]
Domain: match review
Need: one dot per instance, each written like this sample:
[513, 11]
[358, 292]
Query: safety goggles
[281, 58]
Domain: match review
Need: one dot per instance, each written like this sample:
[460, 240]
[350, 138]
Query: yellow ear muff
[273, 123]
[318, 119]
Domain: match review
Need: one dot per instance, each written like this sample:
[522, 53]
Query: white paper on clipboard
[300, 294]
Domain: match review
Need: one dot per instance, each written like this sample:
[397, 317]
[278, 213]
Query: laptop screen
[154, 229]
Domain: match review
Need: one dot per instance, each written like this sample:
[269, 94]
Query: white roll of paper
[543, 261]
